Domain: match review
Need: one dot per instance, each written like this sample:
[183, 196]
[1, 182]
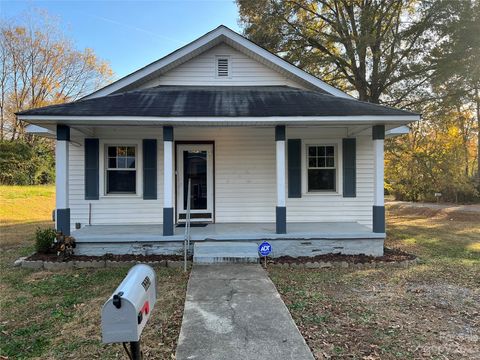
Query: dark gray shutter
[91, 169]
[149, 169]
[349, 167]
[294, 168]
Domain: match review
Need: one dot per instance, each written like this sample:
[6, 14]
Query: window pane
[312, 162]
[321, 179]
[131, 151]
[131, 162]
[122, 151]
[112, 163]
[321, 162]
[112, 151]
[312, 151]
[121, 181]
[321, 150]
[121, 162]
[195, 169]
[330, 151]
[330, 162]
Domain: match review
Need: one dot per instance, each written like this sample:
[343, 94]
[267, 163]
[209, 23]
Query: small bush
[44, 239]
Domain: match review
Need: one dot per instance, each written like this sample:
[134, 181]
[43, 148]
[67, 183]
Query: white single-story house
[272, 153]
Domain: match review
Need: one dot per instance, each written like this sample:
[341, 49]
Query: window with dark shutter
[321, 168]
[121, 170]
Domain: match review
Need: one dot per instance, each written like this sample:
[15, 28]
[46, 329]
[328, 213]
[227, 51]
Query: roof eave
[220, 121]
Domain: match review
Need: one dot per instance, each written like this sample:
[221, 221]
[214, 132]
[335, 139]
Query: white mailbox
[126, 312]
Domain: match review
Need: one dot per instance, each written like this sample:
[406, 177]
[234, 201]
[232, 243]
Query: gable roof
[205, 42]
[220, 102]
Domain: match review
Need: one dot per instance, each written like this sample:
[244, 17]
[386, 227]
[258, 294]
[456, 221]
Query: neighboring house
[271, 152]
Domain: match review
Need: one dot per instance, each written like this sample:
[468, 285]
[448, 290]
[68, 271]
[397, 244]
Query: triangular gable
[242, 70]
[222, 34]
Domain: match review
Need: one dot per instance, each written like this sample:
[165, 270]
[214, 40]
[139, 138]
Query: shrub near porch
[49, 315]
[431, 310]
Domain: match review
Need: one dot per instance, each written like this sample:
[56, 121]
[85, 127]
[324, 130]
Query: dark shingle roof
[217, 101]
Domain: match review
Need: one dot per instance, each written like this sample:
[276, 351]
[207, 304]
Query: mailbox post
[126, 312]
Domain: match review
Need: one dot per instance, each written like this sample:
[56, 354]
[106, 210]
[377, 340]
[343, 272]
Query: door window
[195, 169]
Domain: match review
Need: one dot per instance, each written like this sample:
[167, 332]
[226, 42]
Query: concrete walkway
[235, 312]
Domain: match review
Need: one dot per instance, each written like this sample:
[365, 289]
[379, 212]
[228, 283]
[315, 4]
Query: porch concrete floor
[226, 232]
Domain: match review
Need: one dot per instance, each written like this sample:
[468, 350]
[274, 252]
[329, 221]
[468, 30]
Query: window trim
[104, 144]
[308, 168]
[336, 143]
[229, 61]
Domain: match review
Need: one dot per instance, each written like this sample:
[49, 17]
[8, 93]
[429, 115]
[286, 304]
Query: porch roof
[220, 102]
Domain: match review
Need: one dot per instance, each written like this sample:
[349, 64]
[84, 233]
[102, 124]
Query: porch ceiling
[79, 131]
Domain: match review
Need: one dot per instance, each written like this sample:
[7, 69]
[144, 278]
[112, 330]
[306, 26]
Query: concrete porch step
[216, 252]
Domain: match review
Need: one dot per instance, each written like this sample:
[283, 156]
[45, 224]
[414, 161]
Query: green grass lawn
[56, 315]
[428, 311]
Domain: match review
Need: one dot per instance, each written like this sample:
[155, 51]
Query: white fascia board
[274, 120]
[204, 40]
[401, 130]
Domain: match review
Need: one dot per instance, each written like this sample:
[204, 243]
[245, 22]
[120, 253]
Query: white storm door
[195, 162]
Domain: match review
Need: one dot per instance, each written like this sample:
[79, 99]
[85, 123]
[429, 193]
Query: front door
[195, 162]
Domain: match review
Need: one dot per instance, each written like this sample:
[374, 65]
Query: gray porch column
[281, 209]
[168, 181]
[62, 211]
[378, 136]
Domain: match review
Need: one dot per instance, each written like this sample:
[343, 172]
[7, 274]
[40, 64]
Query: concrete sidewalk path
[235, 312]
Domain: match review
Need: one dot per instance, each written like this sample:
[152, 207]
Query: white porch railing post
[378, 136]
[168, 181]
[281, 209]
[62, 211]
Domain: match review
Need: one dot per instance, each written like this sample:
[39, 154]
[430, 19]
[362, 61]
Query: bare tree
[40, 67]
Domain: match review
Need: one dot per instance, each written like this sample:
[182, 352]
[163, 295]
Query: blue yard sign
[264, 248]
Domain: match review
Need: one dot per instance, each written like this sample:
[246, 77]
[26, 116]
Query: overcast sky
[131, 34]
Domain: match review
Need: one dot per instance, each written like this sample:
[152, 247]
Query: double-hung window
[321, 168]
[121, 170]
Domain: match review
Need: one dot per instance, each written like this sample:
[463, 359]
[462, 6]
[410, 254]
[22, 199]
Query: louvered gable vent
[223, 67]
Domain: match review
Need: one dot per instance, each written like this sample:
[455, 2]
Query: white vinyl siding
[244, 171]
[202, 71]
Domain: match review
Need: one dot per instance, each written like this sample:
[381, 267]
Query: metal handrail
[186, 242]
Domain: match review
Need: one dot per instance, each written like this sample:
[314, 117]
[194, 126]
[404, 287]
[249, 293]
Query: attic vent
[223, 67]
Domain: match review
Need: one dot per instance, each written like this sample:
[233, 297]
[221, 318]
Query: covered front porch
[300, 239]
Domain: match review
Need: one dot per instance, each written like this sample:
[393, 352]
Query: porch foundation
[303, 239]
